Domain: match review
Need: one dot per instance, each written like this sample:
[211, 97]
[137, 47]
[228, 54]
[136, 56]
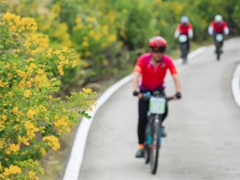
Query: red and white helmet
[158, 42]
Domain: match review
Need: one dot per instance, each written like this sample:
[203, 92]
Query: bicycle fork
[151, 132]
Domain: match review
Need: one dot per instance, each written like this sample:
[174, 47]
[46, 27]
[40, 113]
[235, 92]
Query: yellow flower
[74, 63]
[91, 19]
[40, 71]
[25, 141]
[50, 97]
[65, 49]
[90, 109]
[61, 57]
[9, 75]
[29, 84]
[43, 108]
[21, 85]
[42, 151]
[32, 65]
[27, 93]
[14, 147]
[112, 38]
[14, 65]
[32, 175]
[2, 143]
[85, 44]
[87, 90]
[60, 70]
[30, 59]
[13, 169]
[30, 113]
[57, 52]
[4, 117]
[53, 142]
[49, 51]
[21, 73]
[14, 110]
[3, 84]
[31, 129]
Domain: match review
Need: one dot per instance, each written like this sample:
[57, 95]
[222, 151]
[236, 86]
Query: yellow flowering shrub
[31, 119]
[108, 35]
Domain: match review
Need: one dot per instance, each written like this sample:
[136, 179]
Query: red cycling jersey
[153, 78]
[184, 28]
[219, 27]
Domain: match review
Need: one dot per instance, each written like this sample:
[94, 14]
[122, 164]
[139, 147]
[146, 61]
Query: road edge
[236, 85]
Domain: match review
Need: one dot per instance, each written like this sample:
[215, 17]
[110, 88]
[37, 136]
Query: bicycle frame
[157, 108]
[218, 38]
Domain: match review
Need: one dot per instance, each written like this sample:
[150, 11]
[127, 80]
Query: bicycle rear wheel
[218, 56]
[218, 51]
[155, 146]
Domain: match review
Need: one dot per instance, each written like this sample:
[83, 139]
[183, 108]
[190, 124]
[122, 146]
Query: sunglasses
[158, 50]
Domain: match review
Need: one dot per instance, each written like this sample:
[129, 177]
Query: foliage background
[110, 34]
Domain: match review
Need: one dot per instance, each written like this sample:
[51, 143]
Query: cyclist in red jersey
[218, 26]
[184, 28]
[149, 74]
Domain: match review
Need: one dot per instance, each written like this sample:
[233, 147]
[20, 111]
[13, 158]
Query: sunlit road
[203, 128]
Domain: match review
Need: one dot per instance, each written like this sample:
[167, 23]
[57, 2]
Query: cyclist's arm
[136, 78]
[174, 73]
[177, 32]
[210, 29]
[176, 82]
[226, 29]
[137, 73]
[190, 31]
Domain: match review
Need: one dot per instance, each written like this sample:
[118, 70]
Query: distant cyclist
[149, 75]
[184, 32]
[218, 26]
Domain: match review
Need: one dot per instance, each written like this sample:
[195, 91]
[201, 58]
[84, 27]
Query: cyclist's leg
[188, 46]
[180, 44]
[142, 120]
[216, 43]
[166, 113]
[221, 47]
[163, 132]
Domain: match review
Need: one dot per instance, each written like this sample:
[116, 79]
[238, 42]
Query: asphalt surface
[203, 128]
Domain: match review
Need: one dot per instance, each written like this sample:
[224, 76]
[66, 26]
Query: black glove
[135, 93]
[178, 95]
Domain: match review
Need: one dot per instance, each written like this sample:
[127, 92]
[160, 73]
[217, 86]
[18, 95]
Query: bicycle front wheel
[154, 151]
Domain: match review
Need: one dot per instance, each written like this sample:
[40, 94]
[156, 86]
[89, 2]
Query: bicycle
[183, 40]
[154, 129]
[218, 43]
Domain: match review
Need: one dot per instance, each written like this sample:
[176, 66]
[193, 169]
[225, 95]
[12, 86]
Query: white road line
[75, 161]
[236, 85]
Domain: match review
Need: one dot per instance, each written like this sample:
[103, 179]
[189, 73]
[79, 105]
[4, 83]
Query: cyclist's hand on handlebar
[136, 93]
[177, 96]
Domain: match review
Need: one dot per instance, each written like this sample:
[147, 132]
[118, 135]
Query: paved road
[203, 128]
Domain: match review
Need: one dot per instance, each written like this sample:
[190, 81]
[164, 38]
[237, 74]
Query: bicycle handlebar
[148, 95]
